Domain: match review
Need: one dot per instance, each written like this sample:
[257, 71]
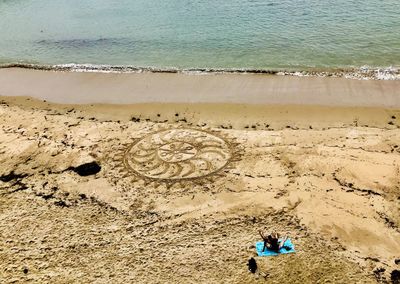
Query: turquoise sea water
[233, 34]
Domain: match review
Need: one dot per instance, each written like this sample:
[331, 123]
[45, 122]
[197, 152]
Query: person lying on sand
[272, 242]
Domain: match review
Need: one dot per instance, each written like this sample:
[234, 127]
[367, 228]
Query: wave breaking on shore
[361, 73]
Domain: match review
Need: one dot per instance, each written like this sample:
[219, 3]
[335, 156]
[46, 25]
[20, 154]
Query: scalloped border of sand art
[207, 153]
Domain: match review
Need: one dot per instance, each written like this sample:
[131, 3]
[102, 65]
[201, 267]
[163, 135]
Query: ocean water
[203, 34]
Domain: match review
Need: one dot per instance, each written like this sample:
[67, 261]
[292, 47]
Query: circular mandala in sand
[178, 154]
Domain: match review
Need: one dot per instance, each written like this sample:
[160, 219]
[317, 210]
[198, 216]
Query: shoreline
[357, 73]
[134, 88]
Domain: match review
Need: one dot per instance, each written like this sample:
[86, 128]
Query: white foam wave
[361, 73]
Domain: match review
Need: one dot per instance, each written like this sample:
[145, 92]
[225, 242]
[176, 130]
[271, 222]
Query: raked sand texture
[184, 188]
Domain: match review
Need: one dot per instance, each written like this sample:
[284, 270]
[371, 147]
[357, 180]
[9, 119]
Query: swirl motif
[177, 154]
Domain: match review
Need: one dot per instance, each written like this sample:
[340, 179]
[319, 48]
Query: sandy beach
[167, 178]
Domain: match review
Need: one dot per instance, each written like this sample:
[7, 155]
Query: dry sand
[329, 177]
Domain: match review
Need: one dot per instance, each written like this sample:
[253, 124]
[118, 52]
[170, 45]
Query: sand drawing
[178, 155]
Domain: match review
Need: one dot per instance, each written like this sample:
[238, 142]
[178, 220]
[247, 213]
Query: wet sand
[328, 176]
[116, 88]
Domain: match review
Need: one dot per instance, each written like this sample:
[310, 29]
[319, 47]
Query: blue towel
[288, 244]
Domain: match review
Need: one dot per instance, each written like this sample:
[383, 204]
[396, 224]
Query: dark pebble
[88, 169]
[395, 276]
[60, 203]
[47, 196]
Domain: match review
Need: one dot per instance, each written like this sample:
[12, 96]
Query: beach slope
[175, 189]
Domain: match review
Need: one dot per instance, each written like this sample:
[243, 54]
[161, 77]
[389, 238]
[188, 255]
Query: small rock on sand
[88, 169]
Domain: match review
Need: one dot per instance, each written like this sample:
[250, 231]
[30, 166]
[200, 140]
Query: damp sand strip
[134, 88]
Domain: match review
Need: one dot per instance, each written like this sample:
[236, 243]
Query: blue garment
[288, 247]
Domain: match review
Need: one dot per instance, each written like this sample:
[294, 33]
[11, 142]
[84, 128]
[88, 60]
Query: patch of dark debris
[19, 186]
[382, 277]
[12, 176]
[48, 193]
[351, 188]
[99, 203]
[64, 199]
[390, 223]
[61, 203]
[16, 179]
[379, 274]
[374, 259]
[4, 103]
[226, 126]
